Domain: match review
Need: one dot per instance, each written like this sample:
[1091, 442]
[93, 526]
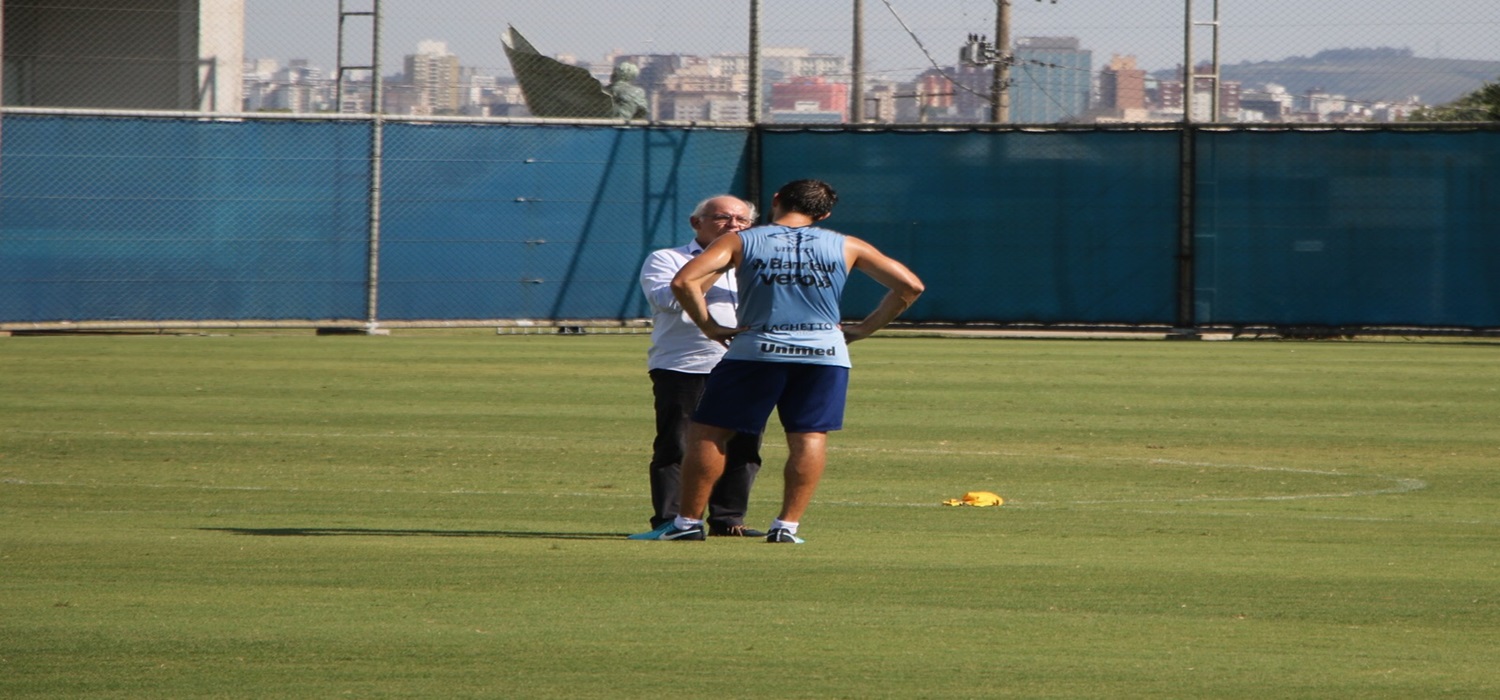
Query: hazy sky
[1152, 30]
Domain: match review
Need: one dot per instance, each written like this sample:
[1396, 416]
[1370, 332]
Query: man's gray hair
[698, 210]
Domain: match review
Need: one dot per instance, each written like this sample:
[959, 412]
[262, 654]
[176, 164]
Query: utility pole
[978, 51]
[1000, 88]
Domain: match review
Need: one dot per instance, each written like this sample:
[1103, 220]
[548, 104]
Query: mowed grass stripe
[438, 514]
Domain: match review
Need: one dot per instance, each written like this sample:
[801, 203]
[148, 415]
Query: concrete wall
[124, 54]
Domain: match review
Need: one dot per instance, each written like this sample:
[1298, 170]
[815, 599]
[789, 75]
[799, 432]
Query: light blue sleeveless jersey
[800, 273]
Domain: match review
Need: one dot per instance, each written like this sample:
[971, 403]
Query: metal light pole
[343, 68]
[1187, 62]
[1187, 223]
[1189, 69]
[754, 66]
[857, 87]
[752, 177]
[1213, 100]
[377, 158]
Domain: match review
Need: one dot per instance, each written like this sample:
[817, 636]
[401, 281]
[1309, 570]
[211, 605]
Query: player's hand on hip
[722, 334]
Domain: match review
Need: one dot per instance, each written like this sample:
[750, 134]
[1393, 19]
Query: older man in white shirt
[679, 361]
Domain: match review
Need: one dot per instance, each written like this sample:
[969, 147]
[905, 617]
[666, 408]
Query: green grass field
[441, 515]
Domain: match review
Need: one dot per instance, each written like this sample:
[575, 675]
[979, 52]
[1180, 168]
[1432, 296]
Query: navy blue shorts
[741, 393]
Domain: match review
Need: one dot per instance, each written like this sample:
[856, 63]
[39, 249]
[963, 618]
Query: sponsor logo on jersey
[768, 348]
[801, 273]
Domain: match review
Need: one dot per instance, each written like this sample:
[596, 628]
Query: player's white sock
[682, 523]
[779, 524]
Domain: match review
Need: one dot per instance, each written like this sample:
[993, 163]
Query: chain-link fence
[128, 221]
[121, 220]
[779, 61]
[289, 200]
[150, 220]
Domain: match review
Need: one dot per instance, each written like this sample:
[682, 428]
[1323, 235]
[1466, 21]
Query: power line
[1043, 89]
[928, 54]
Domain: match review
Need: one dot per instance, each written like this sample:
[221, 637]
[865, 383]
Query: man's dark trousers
[677, 395]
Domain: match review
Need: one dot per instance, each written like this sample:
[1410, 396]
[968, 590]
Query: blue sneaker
[782, 535]
[670, 531]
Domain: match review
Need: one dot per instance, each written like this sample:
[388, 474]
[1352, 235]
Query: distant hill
[1369, 75]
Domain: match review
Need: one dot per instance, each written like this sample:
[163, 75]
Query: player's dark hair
[814, 198]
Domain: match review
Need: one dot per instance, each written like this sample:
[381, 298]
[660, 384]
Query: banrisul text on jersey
[790, 283]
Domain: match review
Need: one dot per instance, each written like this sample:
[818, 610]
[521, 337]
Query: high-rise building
[1051, 81]
[297, 87]
[802, 63]
[1170, 96]
[700, 90]
[811, 99]
[973, 88]
[882, 99]
[1122, 86]
[433, 72]
[934, 94]
[956, 94]
[1271, 103]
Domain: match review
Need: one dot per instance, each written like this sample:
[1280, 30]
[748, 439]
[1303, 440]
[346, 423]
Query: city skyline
[1151, 30]
[1058, 87]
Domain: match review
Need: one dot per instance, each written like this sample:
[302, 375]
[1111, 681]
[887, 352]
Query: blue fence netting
[107, 218]
[1011, 226]
[539, 222]
[155, 219]
[1348, 228]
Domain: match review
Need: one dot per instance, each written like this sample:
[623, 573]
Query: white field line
[1396, 485]
[285, 434]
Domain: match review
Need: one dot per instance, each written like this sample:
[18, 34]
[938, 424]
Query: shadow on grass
[376, 532]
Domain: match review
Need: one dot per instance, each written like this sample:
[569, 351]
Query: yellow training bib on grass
[978, 499]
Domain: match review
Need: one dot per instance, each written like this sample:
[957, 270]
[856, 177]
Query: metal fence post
[1186, 230]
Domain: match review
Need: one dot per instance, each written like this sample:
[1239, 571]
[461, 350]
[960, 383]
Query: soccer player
[788, 351]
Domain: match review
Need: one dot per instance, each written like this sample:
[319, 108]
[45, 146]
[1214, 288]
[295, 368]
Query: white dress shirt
[676, 342]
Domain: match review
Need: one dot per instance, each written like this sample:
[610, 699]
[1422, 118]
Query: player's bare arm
[902, 284]
[692, 282]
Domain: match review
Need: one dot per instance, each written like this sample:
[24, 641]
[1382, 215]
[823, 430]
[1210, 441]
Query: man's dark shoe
[733, 531]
